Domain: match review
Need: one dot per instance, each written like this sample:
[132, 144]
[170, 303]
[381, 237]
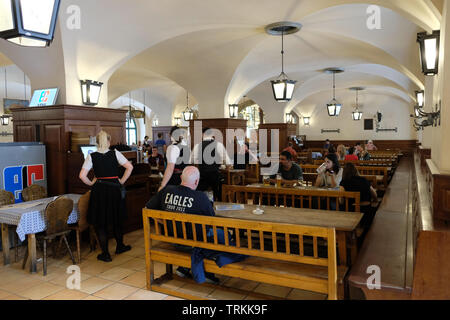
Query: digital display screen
[44, 97]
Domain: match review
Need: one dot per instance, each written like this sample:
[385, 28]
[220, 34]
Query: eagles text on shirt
[178, 203]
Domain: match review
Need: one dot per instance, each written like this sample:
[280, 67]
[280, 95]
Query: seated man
[188, 201]
[290, 172]
[155, 159]
[291, 150]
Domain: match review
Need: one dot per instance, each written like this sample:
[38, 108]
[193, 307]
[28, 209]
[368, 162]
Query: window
[251, 114]
[131, 131]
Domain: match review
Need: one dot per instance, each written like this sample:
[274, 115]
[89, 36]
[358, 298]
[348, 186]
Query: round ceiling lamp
[283, 87]
[357, 115]
[334, 107]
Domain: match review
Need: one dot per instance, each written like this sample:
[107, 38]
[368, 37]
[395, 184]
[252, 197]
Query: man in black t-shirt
[290, 171]
[184, 199]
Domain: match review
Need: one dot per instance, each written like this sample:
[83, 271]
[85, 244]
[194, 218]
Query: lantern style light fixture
[177, 121]
[234, 109]
[420, 98]
[306, 121]
[188, 114]
[357, 115]
[155, 122]
[289, 118]
[28, 23]
[283, 87]
[5, 120]
[90, 91]
[334, 107]
[429, 52]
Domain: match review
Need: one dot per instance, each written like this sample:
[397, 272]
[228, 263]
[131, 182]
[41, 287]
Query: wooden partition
[286, 130]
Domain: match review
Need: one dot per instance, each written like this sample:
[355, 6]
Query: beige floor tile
[250, 297]
[40, 291]
[94, 284]
[297, 294]
[22, 283]
[4, 294]
[137, 252]
[241, 284]
[136, 264]
[119, 259]
[146, 295]
[273, 290]
[196, 290]
[11, 276]
[67, 294]
[172, 298]
[92, 298]
[116, 291]
[95, 267]
[115, 274]
[219, 294]
[52, 273]
[61, 280]
[14, 297]
[136, 279]
[173, 284]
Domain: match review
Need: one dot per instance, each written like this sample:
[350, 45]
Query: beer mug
[278, 181]
[266, 180]
[322, 168]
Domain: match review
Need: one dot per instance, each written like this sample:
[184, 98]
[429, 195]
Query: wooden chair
[57, 212]
[34, 192]
[7, 198]
[82, 224]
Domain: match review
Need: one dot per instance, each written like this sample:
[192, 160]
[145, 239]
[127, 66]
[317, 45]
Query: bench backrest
[362, 163]
[301, 198]
[252, 246]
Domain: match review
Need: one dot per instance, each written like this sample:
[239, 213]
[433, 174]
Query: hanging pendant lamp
[334, 107]
[357, 115]
[188, 114]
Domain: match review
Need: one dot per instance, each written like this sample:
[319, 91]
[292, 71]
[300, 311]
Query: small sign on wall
[368, 124]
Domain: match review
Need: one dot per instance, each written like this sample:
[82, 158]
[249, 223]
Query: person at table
[365, 155]
[155, 159]
[331, 175]
[146, 144]
[327, 144]
[370, 146]
[290, 171]
[358, 148]
[290, 149]
[209, 155]
[177, 156]
[351, 155]
[353, 182]
[185, 199]
[243, 156]
[106, 206]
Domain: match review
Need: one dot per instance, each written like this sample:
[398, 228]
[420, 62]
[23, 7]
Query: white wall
[16, 90]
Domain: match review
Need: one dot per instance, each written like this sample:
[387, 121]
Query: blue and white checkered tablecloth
[32, 220]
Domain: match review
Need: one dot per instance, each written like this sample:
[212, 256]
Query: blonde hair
[341, 151]
[103, 140]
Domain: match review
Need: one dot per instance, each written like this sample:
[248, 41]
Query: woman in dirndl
[106, 205]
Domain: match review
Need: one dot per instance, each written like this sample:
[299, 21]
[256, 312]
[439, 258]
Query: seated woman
[331, 175]
[370, 146]
[365, 155]
[341, 152]
[353, 182]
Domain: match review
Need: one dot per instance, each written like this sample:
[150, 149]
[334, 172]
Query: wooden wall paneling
[54, 140]
[24, 133]
[285, 131]
[117, 134]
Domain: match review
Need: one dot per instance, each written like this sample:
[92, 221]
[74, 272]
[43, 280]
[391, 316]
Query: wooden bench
[276, 263]
[290, 197]
[253, 174]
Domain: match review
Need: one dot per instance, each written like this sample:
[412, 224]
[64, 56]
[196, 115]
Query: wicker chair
[57, 212]
[7, 198]
[34, 192]
[82, 225]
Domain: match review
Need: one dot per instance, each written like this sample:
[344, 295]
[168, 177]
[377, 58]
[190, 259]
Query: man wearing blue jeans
[184, 199]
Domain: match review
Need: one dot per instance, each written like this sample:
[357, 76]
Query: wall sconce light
[29, 23]
[420, 98]
[234, 109]
[177, 121]
[306, 121]
[289, 118]
[90, 91]
[155, 122]
[5, 120]
[429, 52]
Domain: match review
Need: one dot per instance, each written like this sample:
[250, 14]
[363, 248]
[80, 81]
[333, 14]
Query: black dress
[106, 206]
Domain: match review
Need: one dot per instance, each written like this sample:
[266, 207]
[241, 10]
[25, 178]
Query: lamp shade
[289, 118]
[5, 120]
[429, 52]
[306, 121]
[28, 22]
[334, 108]
[188, 114]
[155, 122]
[357, 115]
[177, 121]
[420, 97]
[283, 88]
[234, 109]
[90, 91]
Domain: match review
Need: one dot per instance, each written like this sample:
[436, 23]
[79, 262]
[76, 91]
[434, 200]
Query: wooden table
[345, 223]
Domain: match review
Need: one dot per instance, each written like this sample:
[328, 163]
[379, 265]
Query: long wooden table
[345, 223]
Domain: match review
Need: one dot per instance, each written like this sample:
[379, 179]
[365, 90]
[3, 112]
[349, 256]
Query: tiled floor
[121, 279]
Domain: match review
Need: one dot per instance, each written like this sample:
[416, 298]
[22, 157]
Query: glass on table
[266, 180]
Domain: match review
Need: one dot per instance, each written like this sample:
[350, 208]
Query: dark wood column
[286, 130]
